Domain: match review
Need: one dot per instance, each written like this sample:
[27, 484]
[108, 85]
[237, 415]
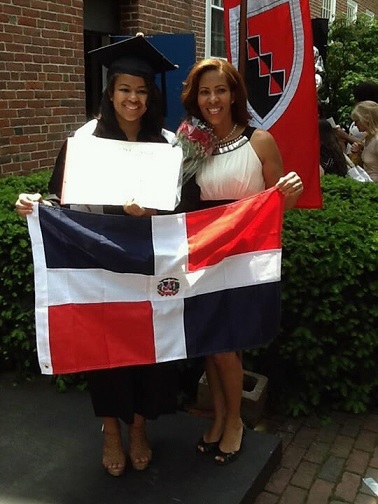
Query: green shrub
[17, 328]
[327, 351]
[352, 57]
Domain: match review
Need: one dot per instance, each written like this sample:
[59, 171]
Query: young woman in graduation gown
[131, 110]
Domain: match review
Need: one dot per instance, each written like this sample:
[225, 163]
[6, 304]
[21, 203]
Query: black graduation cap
[134, 56]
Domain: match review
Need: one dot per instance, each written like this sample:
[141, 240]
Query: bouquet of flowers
[197, 141]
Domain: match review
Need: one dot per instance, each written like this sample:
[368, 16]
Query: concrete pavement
[50, 453]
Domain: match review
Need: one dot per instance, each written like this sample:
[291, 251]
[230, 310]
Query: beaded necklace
[222, 140]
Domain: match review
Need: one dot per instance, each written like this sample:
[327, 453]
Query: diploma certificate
[100, 171]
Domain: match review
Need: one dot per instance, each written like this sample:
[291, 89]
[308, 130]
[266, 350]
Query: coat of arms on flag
[115, 290]
[279, 75]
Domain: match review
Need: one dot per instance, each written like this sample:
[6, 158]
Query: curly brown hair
[189, 95]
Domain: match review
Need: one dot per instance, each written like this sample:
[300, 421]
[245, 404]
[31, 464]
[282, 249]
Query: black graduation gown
[148, 390]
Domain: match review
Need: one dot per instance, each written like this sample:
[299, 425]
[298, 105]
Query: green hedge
[327, 351]
[326, 354]
[17, 329]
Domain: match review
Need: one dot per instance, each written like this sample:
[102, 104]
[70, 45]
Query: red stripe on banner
[102, 335]
[250, 225]
[301, 153]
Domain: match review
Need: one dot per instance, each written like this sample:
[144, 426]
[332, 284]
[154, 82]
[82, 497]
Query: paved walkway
[41, 430]
[324, 464]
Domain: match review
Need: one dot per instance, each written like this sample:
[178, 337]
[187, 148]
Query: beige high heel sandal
[113, 456]
[139, 448]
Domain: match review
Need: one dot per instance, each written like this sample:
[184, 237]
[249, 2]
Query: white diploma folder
[100, 171]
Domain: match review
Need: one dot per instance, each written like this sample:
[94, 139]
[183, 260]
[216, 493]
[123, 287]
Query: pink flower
[197, 141]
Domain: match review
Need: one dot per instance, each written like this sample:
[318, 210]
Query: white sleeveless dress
[233, 172]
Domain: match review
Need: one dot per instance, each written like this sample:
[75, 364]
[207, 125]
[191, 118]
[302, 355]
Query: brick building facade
[42, 42]
[42, 73]
[341, 6]
[42, 66]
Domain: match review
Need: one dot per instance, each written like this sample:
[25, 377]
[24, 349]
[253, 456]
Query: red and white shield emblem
[275, 56]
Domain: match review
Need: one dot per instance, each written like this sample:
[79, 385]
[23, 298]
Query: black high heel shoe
[227, 458]
[205, 448]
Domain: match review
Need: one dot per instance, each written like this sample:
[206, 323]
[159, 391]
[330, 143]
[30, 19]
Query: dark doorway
[93, 74]
[320, 35]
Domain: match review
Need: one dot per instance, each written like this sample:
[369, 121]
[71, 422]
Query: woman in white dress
[246, 161]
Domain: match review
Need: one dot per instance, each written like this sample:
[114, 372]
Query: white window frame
[370, 14]
[328, 10]
[352, 8]
[210, 5]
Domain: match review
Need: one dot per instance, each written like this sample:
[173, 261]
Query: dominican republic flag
[114, 290]
[280, 79]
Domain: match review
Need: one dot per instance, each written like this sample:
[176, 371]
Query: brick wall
[42, 96]
[372, 5]
[42, 76]
[165, 16]
[198, 21]
[315, 8]
[42, 69]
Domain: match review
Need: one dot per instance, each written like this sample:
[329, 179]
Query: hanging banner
[279, 74]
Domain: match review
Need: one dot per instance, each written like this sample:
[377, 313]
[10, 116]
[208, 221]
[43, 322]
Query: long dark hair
[189, 96]
[152, 120]
[332, 157]
[366, 90]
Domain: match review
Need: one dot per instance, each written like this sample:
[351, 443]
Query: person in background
[366, 90]
[131, 110]
[332, 158]
[365, 116]
[245, 161]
